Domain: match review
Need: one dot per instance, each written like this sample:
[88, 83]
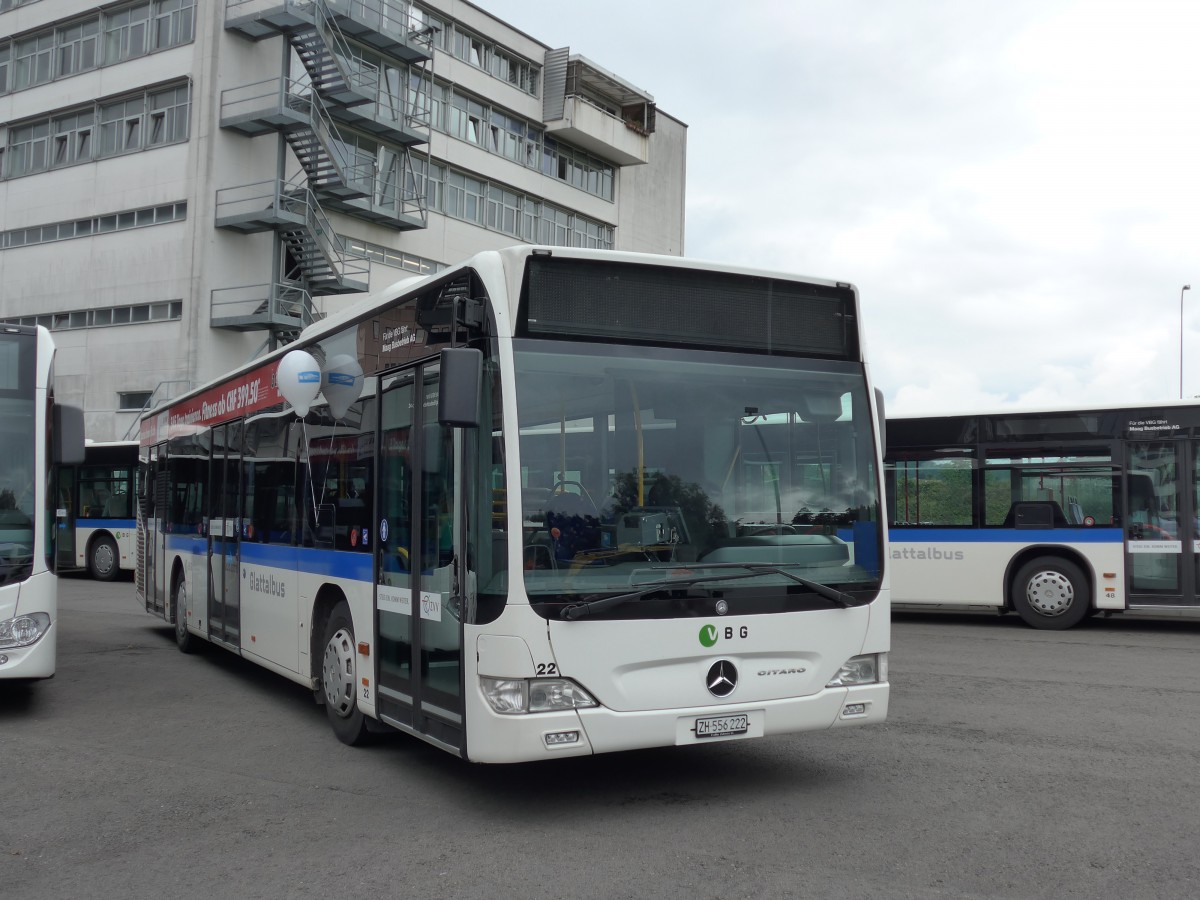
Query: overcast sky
[1013, 185]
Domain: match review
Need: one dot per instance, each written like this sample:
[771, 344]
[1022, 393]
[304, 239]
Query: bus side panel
[970, 567]
[270, 598]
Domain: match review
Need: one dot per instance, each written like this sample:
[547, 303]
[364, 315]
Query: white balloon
[342, 383]
[299, 379]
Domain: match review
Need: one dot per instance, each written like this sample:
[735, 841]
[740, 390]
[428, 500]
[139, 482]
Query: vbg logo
[709, 634]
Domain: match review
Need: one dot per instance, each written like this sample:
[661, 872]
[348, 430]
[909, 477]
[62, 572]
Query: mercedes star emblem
[722, 678]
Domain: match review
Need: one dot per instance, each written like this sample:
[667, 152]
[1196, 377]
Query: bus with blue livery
[547, 502]
[1054, 514]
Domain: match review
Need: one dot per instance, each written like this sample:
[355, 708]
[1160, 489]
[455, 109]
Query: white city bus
[35, 433]
[99, 532]
[549, 502]
[1055, 514]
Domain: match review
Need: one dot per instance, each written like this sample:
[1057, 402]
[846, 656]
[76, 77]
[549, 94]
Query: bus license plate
[722, 726]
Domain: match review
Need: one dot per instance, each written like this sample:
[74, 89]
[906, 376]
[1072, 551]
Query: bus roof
[504, 262]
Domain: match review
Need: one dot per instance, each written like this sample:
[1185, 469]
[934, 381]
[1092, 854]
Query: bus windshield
[708, 475]
[18, 511]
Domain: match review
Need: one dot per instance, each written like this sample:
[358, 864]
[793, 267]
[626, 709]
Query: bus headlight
[517, 696]
[869, 669]
[23, 630]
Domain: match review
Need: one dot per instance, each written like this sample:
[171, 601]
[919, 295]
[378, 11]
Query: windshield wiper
[596, 604]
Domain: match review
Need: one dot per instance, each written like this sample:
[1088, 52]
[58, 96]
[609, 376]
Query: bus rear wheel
[1051, 593]
[102, 559]
[339, 677]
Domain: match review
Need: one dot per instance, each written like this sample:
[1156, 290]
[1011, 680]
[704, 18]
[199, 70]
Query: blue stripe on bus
[105, 523]
[1008, 535]
[329, 563]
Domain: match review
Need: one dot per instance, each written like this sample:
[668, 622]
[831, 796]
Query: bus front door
[1162, 496]
[418, 626]
[223, 532]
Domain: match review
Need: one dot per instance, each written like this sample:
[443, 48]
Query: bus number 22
[547, 669]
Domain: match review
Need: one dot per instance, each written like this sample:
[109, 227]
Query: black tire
[1051, 593]
[184, 639]
[104, 561]
[339, 678]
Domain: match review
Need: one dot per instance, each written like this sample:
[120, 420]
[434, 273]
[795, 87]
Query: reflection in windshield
[636, 468]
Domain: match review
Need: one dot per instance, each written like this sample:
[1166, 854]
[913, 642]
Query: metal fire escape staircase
[346, 90]
[338, 88]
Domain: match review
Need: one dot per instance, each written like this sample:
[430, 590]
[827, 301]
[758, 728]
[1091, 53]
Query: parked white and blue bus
[99, 532]
[1054, 514]
[35, 434]
[548, 502]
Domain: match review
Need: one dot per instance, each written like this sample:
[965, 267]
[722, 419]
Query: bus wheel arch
[103, 557]
[336, 665]
[1050, 590]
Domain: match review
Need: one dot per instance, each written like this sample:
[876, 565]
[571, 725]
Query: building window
[464, 197]
[126, 33]
[124, 126]
[73, 138]
[27, 149]
[133, 400]
[173, 22]
[74, 47]
[465, 118]
[503, 210]
[62, 231]
[78, 46]
[482, 54]
[33, 56]
[555, 226]
[121, 126]
[169, 116]
[167, 310]
[512, 137]
[389, 256]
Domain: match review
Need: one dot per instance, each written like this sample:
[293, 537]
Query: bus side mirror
[882, 422]
[461, 385]
[67, 431]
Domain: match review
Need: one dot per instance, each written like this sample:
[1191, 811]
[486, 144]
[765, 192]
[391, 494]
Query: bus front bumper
[502, 739]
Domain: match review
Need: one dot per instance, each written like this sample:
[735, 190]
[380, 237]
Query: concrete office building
[185, 184]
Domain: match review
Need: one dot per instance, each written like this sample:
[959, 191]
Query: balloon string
[308, 463]
[329, 461]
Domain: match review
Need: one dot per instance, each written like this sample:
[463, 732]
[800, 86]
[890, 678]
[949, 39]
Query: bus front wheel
[338, 678]
[1050, 593]
[102, 559]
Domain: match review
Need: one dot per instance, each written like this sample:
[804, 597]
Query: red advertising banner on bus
[247, 393]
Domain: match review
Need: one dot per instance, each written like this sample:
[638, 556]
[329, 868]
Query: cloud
[1012, 187]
